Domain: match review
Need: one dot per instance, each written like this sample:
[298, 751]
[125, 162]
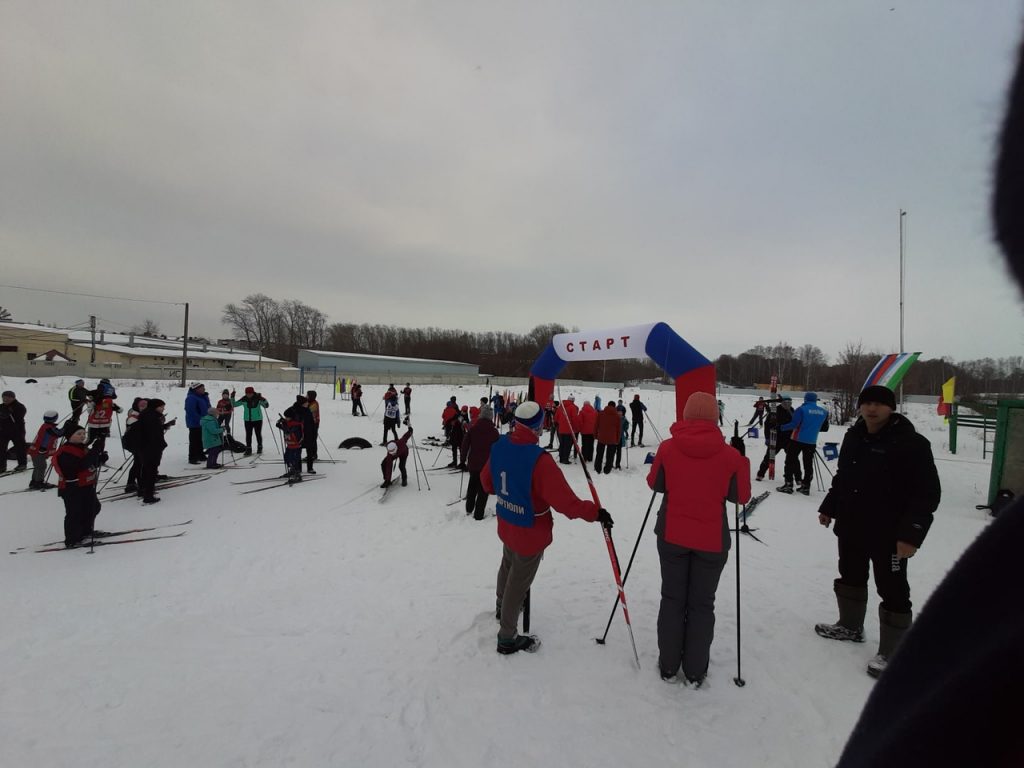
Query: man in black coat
[882, 499]
[951, 696]
[151, 445]
[12, 431]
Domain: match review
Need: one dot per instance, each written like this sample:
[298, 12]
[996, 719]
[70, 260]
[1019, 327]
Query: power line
[92, 295]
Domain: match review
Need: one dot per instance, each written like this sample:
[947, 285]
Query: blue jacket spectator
[807, 421]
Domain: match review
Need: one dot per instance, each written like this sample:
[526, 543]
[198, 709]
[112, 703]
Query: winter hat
[50, 416]
[636, 397]
[8, 393]
[250, 391]
[311, 395]
[80, 381]
[211, 411]
[877, 394]
[193, 385]
[700, 406]
[392, 448]
[225, 392]
[810, 397]
[465, 409]
[300, 400]
[155, 403]
[529, 415]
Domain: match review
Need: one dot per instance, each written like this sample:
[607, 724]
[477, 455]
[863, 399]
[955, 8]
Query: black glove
[737, 443]
[604, 518]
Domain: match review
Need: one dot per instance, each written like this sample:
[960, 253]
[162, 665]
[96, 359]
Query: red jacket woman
[698, 473]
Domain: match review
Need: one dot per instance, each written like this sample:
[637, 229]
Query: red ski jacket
[609, 425]
[588, 419]
[572, 424]
[548, 489]
[698, 473]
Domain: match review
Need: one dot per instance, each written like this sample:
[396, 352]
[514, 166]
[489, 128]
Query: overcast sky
[732, 168]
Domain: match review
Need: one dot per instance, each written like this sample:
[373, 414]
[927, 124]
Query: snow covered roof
[34, 327]
[364, 356]
[194, 352]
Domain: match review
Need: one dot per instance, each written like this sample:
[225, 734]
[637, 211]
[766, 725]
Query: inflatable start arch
[691, 371]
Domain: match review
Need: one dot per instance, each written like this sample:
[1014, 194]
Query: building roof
[351, 355]
[194, 352]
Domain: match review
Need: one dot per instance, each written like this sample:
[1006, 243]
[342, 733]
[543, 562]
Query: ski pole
[650, 421]
[416, 455]
[740, 682]
[324, 444]
[607, 536]
[120, 435]
[600, 640]
[114, 474]
[272, 435]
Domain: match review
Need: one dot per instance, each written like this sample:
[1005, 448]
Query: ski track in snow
[312, 626]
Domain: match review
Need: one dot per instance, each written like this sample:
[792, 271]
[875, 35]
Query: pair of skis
[278, 482]
[102, 538]
[170, 482]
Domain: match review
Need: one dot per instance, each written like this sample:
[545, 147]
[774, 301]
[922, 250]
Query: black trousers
[135, 470]
[310, 444]
[252, 427]
[564, 447]
[613, 455]
[890, 571]
[148, 472]
[17, 439]
[637, 424]
[80, 509]
[686, 618]
[195, 445]
[391, 424]
[408, 405]
[794, 453]
[476, 496]
[587, 447]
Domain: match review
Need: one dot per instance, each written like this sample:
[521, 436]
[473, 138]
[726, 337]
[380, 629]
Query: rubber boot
[891, 628]
[853, 607]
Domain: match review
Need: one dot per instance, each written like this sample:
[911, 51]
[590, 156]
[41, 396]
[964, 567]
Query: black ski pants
[638, 424]
[686, 618]
[309, 442]
[476, 497]
[889, 570]
[150, 461]
[195, 445]
[98, 437]
[408, 405]
[80, 509]
[564, 447]
[251, 428]
[16, 439]
[795, 452]
[391, 424]
[587, 447]
[608, 458]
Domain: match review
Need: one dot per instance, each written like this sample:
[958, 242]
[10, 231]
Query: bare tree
[147, 327]
[5, 315]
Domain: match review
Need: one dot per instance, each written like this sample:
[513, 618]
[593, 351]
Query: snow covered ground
[314, 626]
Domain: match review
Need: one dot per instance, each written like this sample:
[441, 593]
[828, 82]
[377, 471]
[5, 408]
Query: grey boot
[891, 628]
[853, 606]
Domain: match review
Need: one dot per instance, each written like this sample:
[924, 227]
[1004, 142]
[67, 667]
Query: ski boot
[785, 488]
[804, 489]
[528, 643]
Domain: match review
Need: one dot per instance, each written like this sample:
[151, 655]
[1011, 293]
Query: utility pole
[902, 272]
[184, 347]
[92, 332]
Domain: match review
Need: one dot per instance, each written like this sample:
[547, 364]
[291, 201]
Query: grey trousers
[686, 620]
[515, 575]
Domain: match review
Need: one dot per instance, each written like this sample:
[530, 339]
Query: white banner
[609, 344]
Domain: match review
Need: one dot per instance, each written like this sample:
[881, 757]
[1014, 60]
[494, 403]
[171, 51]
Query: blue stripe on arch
[671, 351]
[548, 365]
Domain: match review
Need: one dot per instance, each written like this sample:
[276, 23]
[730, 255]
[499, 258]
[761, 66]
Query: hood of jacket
[698, 438]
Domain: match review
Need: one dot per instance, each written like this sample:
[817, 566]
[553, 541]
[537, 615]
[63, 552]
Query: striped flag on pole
[891, 369]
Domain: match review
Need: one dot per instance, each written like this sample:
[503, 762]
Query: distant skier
[637, 410]
[407, 396]
[43, 447]
[77, 468]
[12, 431]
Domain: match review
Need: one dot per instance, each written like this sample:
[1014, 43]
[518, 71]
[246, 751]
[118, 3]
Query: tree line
[281, 328]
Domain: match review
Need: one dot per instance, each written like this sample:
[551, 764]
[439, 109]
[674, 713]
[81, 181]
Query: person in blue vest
[808, 420]
[527, 484]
